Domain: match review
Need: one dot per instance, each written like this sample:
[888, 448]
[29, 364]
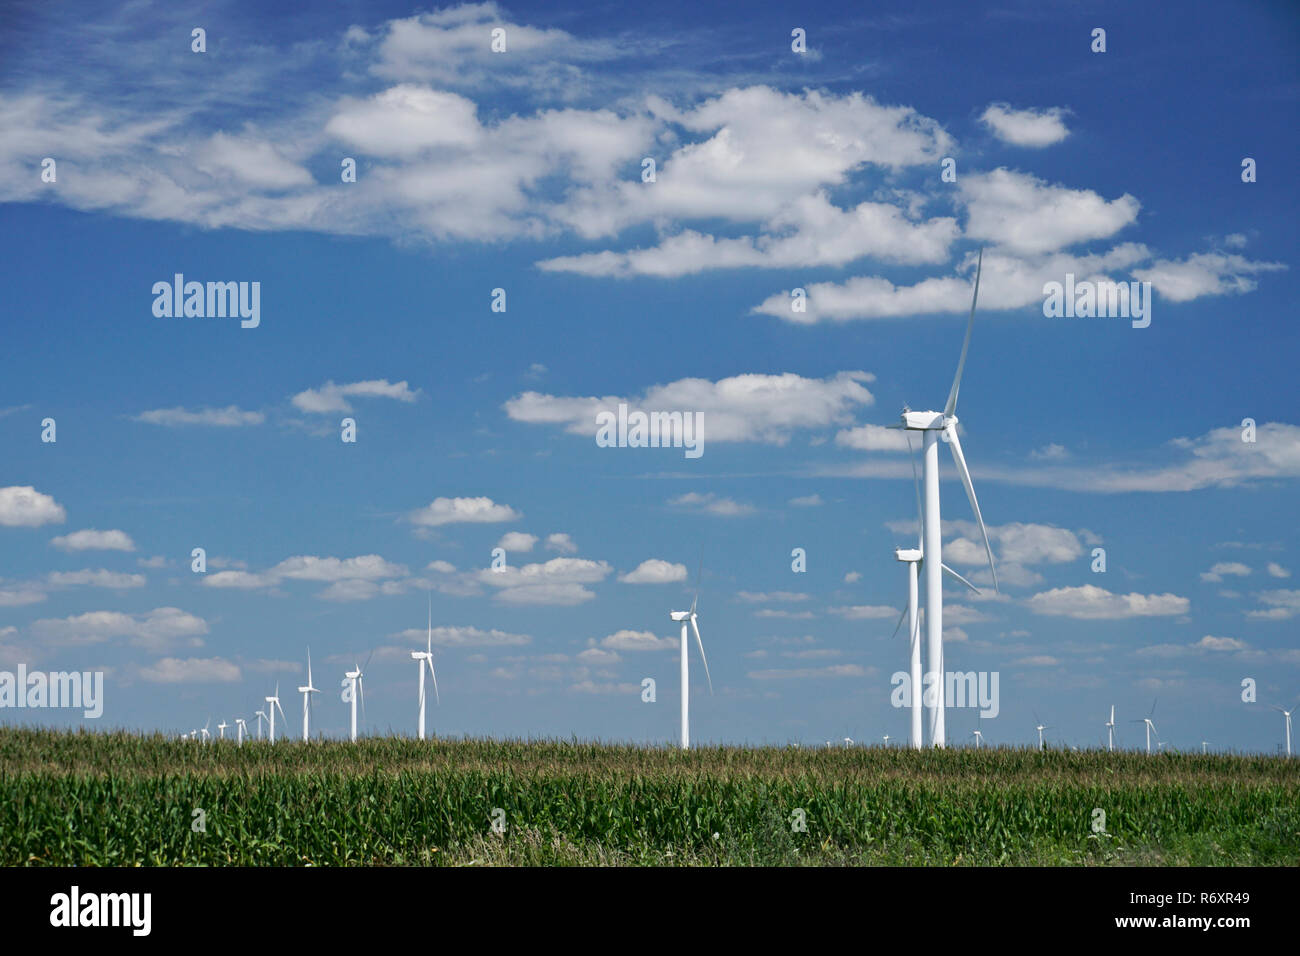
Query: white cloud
[448, 636]
[1091, 603]
[767, 597]
[158, 630]
[1181, 280]
[1210, 643]
[20, 595]
[865, 612]
[1282, 604]
[334, 398]
[1027, 216]
[1216, 573]
[597, 687]
[252, 161]
[557, 582]
[873, 438]
[311, 568]
[481, 510]
[92, 540]
[229, 417]
[517, 541]
[753, 407]
[99, 579]
[1276, 570]
[712, 504]
[191, 670]
[626, 640]
[561, 542]
[22, 506]
[655, 571]
[1028, 127]
[807, 501]
[1050, 452]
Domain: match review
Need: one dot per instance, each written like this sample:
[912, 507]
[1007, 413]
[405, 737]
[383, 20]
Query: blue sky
[522, 171]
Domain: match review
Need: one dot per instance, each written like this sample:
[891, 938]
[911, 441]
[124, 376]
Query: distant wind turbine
[275, 705]
[1150, 725]
[688, 618]
[356, 688]
[1040, 728]
[886, 740]
[306, 692]
[979, 738]
[260, 716]
[421, 659]
[1287, 714]
[205, 732]
[1110, 729]
[241, 728]
[221, 729]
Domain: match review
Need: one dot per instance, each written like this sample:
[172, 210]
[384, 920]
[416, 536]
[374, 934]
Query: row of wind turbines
[353, 691]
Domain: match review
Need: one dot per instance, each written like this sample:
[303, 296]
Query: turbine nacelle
[927, 421]
[680, 615]
[907, 554]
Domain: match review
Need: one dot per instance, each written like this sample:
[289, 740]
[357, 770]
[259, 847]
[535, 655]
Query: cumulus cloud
[443, 511]
[809, 673]
[22, 506]
[1216, 573]
[517, 541]
[1091, 603]
[561, 542]
[101, 578]
[627, 640]
[229, 417]
[752, 407]
[1281, 605]
[334, 398]
[1207, 273]
[468, 637]
[158, 630]
[557, 582]
[92, 540]
[1028, 127]
[712, 504]
[655, 571]
[190, 670]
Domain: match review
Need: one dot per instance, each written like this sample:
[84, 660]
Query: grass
[123, 799]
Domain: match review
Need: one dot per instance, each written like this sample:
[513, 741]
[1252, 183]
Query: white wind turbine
[1205, 744]
[306, 699]
[913, 558]
[275, 705]
[1151, 727]
[422, 658]
[979, 738]
[1040, 728]
[221, 729]
[886, 740]
[1110, 729]
[1287, 714]
[260, 716]
[935, 426]
[688, 618]
[354, 687]
[241, 728]
[205, 732]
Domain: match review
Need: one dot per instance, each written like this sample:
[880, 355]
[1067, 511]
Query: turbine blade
[432, 673]
[955, 443]
[700, 643]
[951, 573]
[699, 573]
[309, 683]
[965, 345]
[916, 484]
[361, 690]
[899, 624]
[430, 644]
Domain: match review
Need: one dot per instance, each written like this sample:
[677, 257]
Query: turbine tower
[275, 705]
[1110, 729]
[936, 426]
[422, 658]
[913, 558]
[306, 699]
[260, 716]
[688, 618]
[354, 687]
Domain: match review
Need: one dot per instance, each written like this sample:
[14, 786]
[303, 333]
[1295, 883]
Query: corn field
[122, 799]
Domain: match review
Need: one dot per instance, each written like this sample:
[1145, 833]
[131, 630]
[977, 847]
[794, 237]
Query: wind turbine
[913, 558]
[934, 426]
[355, 687]
[886, 740]
[221, 729]
[1151, 727]
[848, 741]
[241, 728]
[685, 618]
[422, 658]
[306, 699]
[1287, 714]
[260, 715]
[979, 738]
[205, 732]
[1110, 729]
[275, 704]
[1040, 728]
[1204, 746]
